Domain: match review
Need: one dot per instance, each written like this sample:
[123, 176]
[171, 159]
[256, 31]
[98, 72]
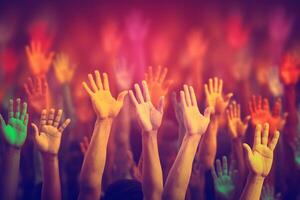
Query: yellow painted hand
[259, 159]
[104, 104]
[48, 136]
[63, 71]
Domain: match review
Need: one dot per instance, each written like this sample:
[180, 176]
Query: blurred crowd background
[243, 42]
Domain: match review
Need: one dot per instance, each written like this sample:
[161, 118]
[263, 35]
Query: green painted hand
[15, 131]
[224, 181]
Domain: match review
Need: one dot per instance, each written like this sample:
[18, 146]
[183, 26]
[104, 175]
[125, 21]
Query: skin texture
[14, 133]
[39, 60]
[259, 161]
[195, 125]
[47, 138]
[37, 92]
[149, 118]
[63, 71]
[224, 179]
[157, 83]
[106, 108]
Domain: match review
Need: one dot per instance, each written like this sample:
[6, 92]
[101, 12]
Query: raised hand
[104, 104]
[39, 60]
[288, 71]
[237, 127]
[84, 145]
[277, 120]
[157, 84]
[224, 181]
[62, 68]
[268, 193]
[15, 131]
[38, 93]
[47, 136]
[259, 159]
[123, 74]
[149, 117]
[214, 96]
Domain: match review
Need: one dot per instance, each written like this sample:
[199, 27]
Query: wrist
[106, 121]
[10, 149]
[195, 138]
[49, 157]
[255, 178]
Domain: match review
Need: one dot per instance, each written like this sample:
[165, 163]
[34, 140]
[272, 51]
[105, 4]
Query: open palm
[48, 138]
[15, 131]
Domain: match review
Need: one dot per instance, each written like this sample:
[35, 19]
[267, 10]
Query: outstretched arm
[259, 161]
[106, 108]
[14, 133]
[195, 125]
[47, 138]
[149, 118]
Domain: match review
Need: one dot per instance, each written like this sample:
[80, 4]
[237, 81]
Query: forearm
[208, 145]
[181, 132]
[180, 173]
[51, 179]
[237, 149]
[94, 161]
[10, 173]
[152, 179]
[253, 188]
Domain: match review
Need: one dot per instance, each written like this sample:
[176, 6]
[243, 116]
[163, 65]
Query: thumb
[161, 104]
[248, 151]
[36, 130]
[207, 112]
[122, 96]
[3, 124]
[228, 97]
[247, 119]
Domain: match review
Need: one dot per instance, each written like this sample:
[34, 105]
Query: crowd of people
[127, 131]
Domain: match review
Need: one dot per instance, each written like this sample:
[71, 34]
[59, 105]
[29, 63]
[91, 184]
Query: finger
[24, 111]
[250, 106]
[219, 167]
[248, 151]
[231, 111]
[228, 115]
[122, 96]
[138, 93]
[157, 74]
[92, 83]
[51, 117]
[210, 84]
[2, 122]
[266, 105]
[174, 99]
[193, 96]
[234, 109]
[105, 82]
[277, 107]
[220, 88]
[133, 99]
[163, 75]
[265, 134]
[146, 91]
[274, 140]
[216, 85]
[150, 74]
[38, 84]
[36, 131]
[87, 89]
[161, 104]
[257, 135]
[18, 109]
[232, 167]
[238, 110]
[64, 125]
[206, 90]
[213, 173]
[98, 80]
[26, 118]
[228, 97]
[57, 118]
[146, 77]
[225, 166]
[254, 103]
[44, 85]
[11, 109]
[259, 103]
[182, 99]
[28, 52]
[187, 95]
[43, 119]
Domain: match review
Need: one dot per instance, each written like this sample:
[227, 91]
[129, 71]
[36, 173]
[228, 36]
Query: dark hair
[124, 189]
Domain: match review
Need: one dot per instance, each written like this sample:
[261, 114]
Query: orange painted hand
[38, 93]
[47, 136]
[104, 104]
[39, 60]
[288, 71]
[194, 122]
[259, 159]
[214, 96]
[237, 127]
[157, 84]
[63, 71]
[149, 117]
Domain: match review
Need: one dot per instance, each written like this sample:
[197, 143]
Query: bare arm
[195, 125]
